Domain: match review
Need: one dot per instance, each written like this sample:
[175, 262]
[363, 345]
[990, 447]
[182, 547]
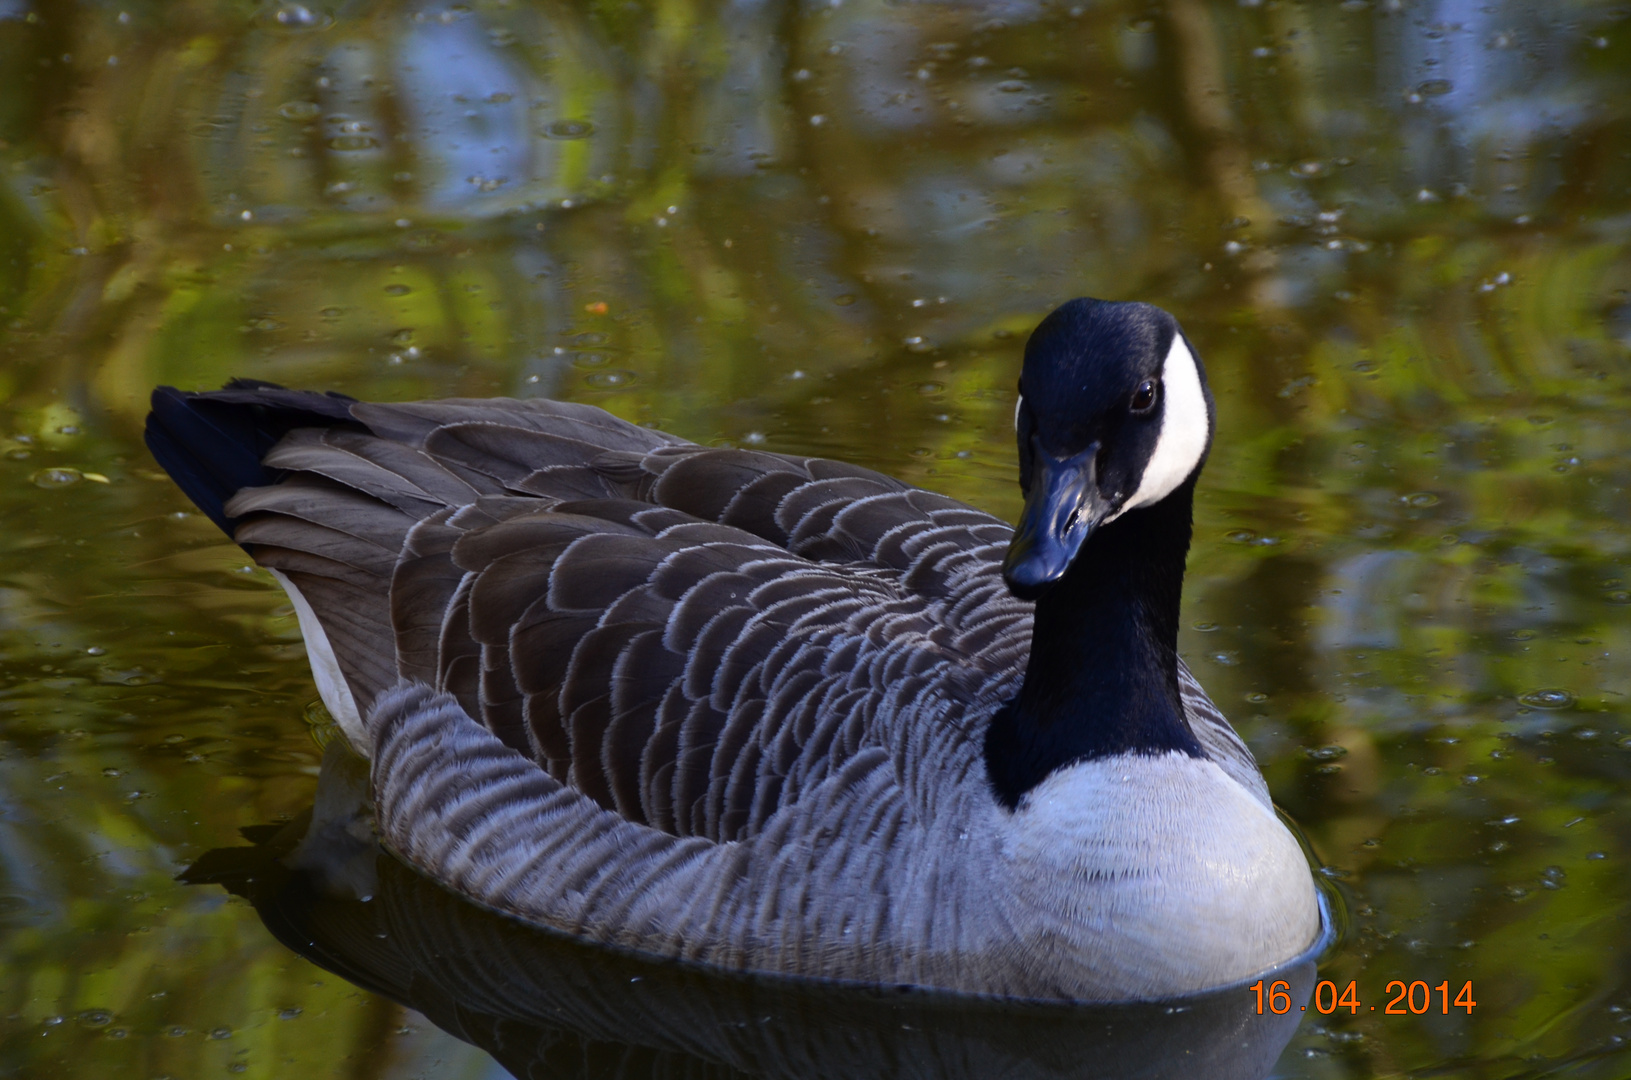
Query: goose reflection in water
[545, 1005]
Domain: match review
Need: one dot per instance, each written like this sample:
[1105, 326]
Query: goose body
[778, 713]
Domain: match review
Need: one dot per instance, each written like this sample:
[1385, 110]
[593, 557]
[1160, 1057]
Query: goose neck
[1103, 672]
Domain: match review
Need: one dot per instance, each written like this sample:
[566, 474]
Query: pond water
[1397, 231]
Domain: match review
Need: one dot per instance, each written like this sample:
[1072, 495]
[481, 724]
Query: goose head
[1114, 416]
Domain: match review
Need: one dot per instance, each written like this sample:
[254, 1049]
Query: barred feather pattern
[713, 703]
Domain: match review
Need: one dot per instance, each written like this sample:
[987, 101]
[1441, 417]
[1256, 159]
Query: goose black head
[1114, 415]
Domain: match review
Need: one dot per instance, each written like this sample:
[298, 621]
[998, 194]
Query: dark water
[1399, 233]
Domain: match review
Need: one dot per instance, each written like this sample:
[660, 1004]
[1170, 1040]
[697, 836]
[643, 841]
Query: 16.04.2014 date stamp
[1411, 998]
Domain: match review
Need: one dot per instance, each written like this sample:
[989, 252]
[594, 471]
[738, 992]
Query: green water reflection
[1397, 231]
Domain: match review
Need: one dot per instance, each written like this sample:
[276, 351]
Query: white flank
[1018, 405]
[331, 684]
[1184, 430]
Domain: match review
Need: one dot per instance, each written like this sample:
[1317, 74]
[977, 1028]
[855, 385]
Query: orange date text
[1407, 999]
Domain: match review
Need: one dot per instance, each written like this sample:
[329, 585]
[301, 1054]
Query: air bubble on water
[298, 17]
[1551, 698]
[58, 477]
[569, 129]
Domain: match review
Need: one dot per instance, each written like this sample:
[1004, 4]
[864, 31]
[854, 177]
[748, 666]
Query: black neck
[1103, 673]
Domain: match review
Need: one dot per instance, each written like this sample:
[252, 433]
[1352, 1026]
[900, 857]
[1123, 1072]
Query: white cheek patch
[1184, 430]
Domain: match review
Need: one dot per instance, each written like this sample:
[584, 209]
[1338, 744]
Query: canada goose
[778, 713]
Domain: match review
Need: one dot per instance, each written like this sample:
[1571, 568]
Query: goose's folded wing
[690, 636]
[692, 676]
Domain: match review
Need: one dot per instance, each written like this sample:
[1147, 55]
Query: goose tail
[212, 444]
[221, 449]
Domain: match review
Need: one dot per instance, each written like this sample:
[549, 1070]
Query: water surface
[1396, 231]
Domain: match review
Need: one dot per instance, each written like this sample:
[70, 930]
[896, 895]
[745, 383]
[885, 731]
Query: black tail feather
[212, 443]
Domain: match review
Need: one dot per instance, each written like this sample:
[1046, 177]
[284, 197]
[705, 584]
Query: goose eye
[1144, 397]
